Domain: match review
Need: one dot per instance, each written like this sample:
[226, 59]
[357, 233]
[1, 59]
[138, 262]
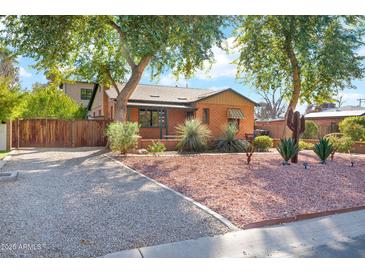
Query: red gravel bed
[265, 190]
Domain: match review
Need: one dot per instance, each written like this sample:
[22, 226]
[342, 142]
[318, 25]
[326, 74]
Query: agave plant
[287, 149]
[193, 136]
[228, 141]
[323, 149]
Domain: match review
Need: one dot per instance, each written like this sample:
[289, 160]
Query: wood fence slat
[59, 133]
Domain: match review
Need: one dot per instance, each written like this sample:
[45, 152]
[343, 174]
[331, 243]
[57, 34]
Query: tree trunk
[128, 89]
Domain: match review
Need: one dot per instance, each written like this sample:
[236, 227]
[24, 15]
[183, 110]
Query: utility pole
[360, 101]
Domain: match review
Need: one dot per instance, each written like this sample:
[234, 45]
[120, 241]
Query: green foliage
[324, 49]
[122, 136]
[263, 143]
[323, 149]
[287, 149]
[228, 141]
[51, 102]
[311, 130]
[341, 144]
[10, 100]
[156, 146]
[305, 146]
[193, 136]
[8, 67]
[107, 48]
[353, 127]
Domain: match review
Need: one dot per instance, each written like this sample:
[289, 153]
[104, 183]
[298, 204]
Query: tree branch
[123, 48]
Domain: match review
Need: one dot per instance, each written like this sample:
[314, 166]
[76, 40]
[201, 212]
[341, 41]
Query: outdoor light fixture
[305, 164]
[352, 163]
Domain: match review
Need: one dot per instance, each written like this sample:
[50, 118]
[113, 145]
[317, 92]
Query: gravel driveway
[78, 203]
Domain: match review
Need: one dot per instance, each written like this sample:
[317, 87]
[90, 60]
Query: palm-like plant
[323, 149]
[193, 136]
[228, 141]
[287, 149]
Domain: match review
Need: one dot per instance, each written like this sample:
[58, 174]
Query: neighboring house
[81, 92]
[158, 109]
[328, 121]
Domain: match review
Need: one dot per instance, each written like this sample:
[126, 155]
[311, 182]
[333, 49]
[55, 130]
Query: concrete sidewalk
[332, 236]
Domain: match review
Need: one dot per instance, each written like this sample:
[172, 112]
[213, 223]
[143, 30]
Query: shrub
[156, 146]
[341, 144]
[193, 136]
[287, 149]
[323, 149]
[305, 146]
[262, 143]
[228, 141]
[311, 130]
[122, 136]
[353, 127]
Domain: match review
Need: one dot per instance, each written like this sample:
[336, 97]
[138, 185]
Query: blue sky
[221, 75]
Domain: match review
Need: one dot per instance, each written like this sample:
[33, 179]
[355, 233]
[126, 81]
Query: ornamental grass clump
[323, 149]
[193, 136]
[122, 136]
[287, 149]
[228, 141]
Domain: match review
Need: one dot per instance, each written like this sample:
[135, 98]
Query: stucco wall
[218, 111]
[3, 135]
[74, 91]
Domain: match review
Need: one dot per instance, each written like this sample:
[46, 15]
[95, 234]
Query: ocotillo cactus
[296, 124]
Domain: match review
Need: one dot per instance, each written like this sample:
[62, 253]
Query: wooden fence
[58, 133]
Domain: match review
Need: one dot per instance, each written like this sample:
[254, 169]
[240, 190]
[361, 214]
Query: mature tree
[272, 107]
[8, 68]
[10, 99]
[116, 49]
[310, 57]
[48, 101]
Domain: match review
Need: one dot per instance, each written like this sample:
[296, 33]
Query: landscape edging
[216, 215]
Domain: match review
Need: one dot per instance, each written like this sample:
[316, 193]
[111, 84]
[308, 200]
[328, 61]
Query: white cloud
[350, 98]
[170, 80]
[222, 67]
[24, 73]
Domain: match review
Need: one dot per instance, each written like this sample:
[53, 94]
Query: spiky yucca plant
[287, 149]
[228, 141]
[193, 136]
[323, 149]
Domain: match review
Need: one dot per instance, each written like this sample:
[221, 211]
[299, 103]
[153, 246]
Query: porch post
[166, 122]
[160, 121]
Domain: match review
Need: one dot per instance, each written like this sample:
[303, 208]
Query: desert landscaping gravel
[78, 203]
[264, 190]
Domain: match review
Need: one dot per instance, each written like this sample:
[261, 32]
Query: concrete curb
[219, 217]
[290, 240]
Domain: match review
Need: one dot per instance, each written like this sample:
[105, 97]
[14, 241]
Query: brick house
[158, 109]
[327, 121]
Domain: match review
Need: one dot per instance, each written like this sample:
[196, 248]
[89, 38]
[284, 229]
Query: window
[111, 113]
[190, 115]
[151, 117]
[334, 127]
[236, 122]
[99, 112]
[94, 114]
[86, 93]
[206, 115]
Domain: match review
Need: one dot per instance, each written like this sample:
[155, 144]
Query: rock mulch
[264, 190]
